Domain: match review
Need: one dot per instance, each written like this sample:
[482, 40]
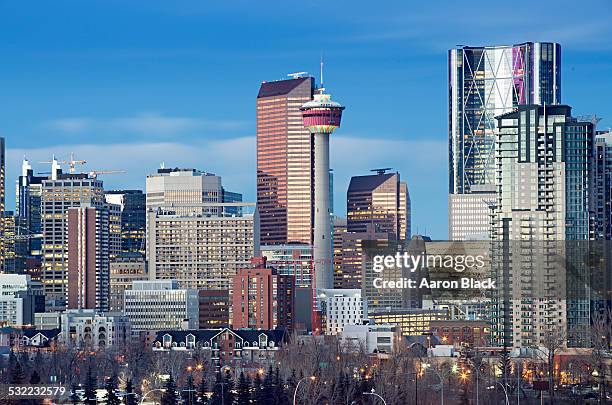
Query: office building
[459, 333]
[28, 207]
[47, 320]
[124, 270]
[2, 200]
[485, 82]
[188, 191]
[285, 159]
[412, 321]
[602, 186]
[89, 254]
[378, 208]
[201, 251]
[339, 229]
[89, 329]
[372, 338]
[214, 307]
[15, 245]
[160, 305]
[544, 166]
[291, 260]
[381, 200]
[132, 207]
[341, 308]
[262, 298]
[20, 298]
[59, 193]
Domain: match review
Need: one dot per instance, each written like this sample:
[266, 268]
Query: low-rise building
[48, 320]
[372, 338]
[160, 305]
[232, 347]
[24, 340]
[20, 298]
[87, 328]
[412, 321]
[459, 332]
[341, 307]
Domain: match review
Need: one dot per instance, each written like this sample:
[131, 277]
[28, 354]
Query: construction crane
[71, 163]
[94, 173]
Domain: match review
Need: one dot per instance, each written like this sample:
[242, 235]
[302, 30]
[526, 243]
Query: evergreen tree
[257, 394]
[35, 377]
[228, 385]
[74, 395]
[202, 390]
[111, 391]
[170, 396]
[280, 395]
[90, 387]
[17, 375]
[130, 395]
[189, 391]
[292, 380]
[222, 390]
[218, 391]
[244, 390]
[268, 387]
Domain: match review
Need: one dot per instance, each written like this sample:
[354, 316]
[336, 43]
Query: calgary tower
[321, 117]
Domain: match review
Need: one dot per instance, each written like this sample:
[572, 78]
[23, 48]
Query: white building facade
[341, 307]
[160, 304]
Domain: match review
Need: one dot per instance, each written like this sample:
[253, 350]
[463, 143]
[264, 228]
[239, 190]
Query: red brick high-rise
[262, 299]
[88, 258]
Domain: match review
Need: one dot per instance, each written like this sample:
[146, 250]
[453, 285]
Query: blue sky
[129, 84]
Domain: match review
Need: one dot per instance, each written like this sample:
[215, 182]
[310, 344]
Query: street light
[505, 391]
[311, 378]
[376, 395]
[148, 392]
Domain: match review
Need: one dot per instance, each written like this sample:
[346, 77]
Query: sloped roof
[48, 333]
[249, 335]
[370, 182]
[280, 87]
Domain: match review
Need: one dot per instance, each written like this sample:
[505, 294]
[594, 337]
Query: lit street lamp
[376, 395]
[148, 392]
[311, 378]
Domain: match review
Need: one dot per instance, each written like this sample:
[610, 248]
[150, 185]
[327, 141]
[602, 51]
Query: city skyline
[129, 96]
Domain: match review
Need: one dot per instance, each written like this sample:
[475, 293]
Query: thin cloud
[234, 160]
[145, 123]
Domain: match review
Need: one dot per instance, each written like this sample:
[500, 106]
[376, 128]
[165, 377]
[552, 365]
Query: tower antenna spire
[321, 71]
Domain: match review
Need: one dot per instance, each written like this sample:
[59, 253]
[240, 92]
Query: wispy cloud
[144, 123]
[234, 160]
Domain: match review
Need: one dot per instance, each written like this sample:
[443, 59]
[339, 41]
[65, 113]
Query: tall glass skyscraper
[285, 159]
[485, 82]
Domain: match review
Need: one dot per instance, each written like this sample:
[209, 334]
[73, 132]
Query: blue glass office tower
[485, 82]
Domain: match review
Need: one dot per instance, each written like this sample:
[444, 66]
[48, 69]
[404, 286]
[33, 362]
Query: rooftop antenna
[322, 72]
[162, 165]
[381, 171]
[297, 75]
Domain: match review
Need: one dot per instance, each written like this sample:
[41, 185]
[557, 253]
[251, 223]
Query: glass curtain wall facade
[285, 158]
[485, 82]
